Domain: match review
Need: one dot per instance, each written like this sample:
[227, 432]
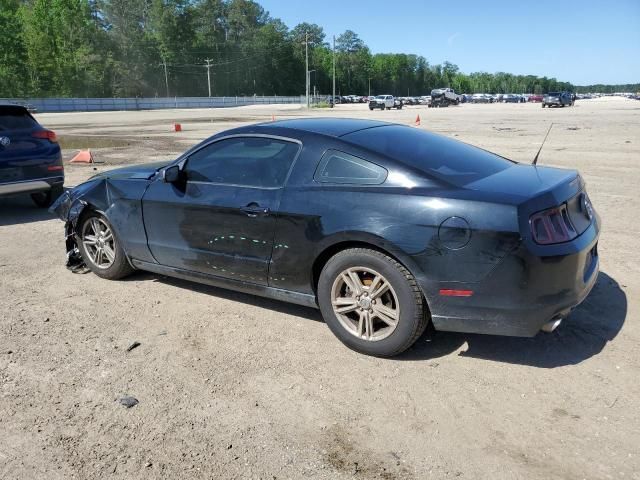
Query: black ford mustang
[383, 227]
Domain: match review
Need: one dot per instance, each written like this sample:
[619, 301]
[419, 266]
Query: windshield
[554, 94]
[445, 159]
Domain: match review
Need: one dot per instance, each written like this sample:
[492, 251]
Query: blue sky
[583, 42]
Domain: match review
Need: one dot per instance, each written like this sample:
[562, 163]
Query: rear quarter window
[343, 168]
[15, 119]
[440, 157]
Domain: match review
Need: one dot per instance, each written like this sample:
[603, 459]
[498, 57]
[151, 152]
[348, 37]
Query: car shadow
[582, 335]
[588, 329]
[20, 209]
[307, 313]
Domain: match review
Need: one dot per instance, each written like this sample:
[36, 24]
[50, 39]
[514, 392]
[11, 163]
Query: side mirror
[172, 174]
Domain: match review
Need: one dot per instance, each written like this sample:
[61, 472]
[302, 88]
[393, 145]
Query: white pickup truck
[443, 97]
[385, 101]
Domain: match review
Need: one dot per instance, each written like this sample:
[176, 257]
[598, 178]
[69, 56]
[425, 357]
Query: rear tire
[46, 199]
[100, 248]
[382, 310]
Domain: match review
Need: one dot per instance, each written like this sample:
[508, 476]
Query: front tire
[371, 302]
[100, 248]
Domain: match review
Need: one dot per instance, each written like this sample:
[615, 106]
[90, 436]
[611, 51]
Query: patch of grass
[321, 105]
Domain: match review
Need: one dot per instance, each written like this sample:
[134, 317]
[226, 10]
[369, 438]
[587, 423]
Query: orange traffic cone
[83, 156]
[177, 127]
[418, 121]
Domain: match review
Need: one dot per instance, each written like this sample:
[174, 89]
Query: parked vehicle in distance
[30, 157]
[481, 98]
[409, 100]
[556, 99]
[443, 97]
[384, 227]
[535, 98]
[385, 101]
[425, 100]
[30, 108]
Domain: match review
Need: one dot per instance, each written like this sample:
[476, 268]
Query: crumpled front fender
[68, 208]
[119, 200]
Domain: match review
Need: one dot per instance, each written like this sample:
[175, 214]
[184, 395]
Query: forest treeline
[127, 48]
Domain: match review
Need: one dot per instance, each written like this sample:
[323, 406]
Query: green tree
[13, 55]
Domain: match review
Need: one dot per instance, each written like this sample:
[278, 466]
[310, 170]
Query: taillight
[46, 134]
[552, 226]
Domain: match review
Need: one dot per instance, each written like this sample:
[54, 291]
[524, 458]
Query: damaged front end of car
[117, 196]
[69, 208]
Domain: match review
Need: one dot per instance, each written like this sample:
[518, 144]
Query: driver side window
[244, 161]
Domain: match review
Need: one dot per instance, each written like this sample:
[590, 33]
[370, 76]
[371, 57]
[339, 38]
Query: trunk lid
[521, 183]
[534, 189]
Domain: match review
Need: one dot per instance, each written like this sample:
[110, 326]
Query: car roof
[334, 127]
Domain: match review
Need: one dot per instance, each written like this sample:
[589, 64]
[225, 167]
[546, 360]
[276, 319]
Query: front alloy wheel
[100, 249]
[99, 243]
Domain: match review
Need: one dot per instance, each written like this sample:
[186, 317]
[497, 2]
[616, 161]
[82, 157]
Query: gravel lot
[234, 386]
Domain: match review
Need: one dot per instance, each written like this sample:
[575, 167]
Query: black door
[221, 221]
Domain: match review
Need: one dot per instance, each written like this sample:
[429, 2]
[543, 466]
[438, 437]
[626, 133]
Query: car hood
[133, 172]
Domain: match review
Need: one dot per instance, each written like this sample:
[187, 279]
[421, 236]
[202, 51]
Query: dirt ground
[234, 386]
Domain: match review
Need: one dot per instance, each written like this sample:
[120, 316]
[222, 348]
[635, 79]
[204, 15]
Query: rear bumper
[30, 186]
[523, 293]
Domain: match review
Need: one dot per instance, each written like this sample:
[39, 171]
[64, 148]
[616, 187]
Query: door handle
[253, 210]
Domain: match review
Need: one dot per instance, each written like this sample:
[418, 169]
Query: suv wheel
[371, 302]
[46, 199]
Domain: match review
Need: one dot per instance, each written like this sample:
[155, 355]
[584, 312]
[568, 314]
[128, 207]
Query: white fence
[104, 104]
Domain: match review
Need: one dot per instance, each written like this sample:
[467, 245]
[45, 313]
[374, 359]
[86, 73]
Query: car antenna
[535, 160]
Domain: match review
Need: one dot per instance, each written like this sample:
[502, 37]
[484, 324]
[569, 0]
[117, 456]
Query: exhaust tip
[551, 325]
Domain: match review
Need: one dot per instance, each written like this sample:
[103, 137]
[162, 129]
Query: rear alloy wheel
[46, 199]
[371, 302]
[100, 248]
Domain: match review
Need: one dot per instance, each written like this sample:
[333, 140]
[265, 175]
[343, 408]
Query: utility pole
[166, 76]
[208, 74]
[306, 68]
[333, 99]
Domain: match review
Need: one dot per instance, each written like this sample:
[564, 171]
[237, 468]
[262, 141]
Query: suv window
[15, 118]
[244, 161]
[340, 167]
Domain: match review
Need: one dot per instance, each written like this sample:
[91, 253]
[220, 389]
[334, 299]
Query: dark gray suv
[556, 99]
[30, 157]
